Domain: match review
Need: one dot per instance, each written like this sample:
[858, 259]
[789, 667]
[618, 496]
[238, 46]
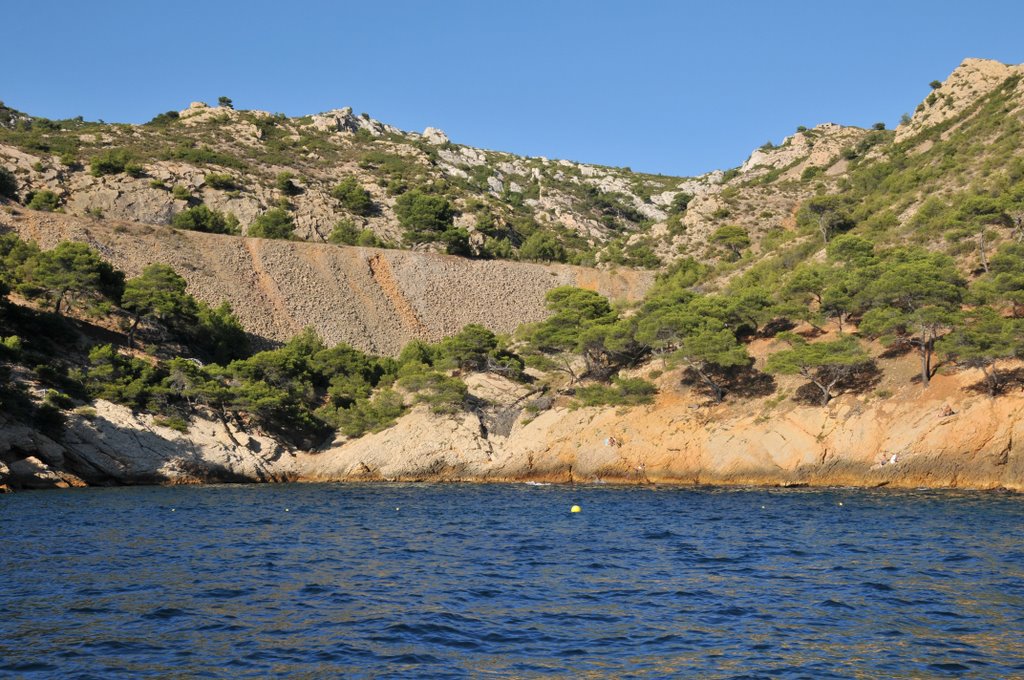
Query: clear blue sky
[671, 87]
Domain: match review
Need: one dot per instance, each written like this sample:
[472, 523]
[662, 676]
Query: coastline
[943, 437]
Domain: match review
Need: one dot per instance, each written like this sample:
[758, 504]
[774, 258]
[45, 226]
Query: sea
[504, 581]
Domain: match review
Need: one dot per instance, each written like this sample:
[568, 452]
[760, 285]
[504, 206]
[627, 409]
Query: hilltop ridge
[502, 206]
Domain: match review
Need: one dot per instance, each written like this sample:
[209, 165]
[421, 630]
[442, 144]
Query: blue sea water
[314, 581]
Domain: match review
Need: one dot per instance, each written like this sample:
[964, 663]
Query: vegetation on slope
[911, 246]
[75, 329]
[399, 187]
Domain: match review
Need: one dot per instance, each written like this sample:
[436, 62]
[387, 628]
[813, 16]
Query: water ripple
[470, 581]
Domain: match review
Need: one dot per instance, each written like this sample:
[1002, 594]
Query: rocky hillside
[244, 163]
[877, 273]
[373, 299]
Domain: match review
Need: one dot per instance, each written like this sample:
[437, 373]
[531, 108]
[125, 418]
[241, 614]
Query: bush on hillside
[8, 184]
[353, 197]
[113, 162]
[275, 223]
[45, 200]
[201, 218]
[423, 216]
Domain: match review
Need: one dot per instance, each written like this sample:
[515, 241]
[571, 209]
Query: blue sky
[670, 87]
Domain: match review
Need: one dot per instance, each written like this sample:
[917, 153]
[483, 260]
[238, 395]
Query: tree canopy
[824, 364]
[157, 293]
[69, 273]
[423, 216]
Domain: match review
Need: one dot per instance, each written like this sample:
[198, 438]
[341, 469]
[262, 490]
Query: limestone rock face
[435, 136]
[906, 442]
[972, 79]
[819, 147]
[116, 445]
[911, 440]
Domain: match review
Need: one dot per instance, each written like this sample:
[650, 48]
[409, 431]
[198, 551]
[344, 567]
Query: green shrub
[285, 184]
[113, 162]
[811, 171]
[58, 400]
[730, 174]
[542, 246]
[165, 118]
[353, 197]
[275, 223]
[8, 184]
[203, 156]
[500, 248]
[366, 415]
[173, 422]
[10, 347]
[181, 192]
[201, 218]
[346, 233]
[733, 238]
[622, 392]
[44, 200]
[444, 394]
[456, 240]
[219, 334]
[423, 216]
[680, 202]
[217, 180]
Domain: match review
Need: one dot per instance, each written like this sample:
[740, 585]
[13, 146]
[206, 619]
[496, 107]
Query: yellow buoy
[575, 508]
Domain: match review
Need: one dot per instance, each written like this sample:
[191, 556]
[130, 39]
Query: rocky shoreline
[942, 437]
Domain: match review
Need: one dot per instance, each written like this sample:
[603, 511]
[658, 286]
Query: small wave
[412, 659]
[950, 667]
[123, 646]
[947, 614]
[314, 589]
[90, 610]
[574, 651]
[224, 593]
[163, 613]
[29, 667]
[733, 612]
[881, 587]
[658, 535]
